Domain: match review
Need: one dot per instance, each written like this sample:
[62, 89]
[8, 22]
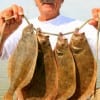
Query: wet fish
[66, 69]
[85, 66]
[22, 62]
[44, 83]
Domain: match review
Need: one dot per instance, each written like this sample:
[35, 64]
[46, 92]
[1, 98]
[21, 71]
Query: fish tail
[8, 96]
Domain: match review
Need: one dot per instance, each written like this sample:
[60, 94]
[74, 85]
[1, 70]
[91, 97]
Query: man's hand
[95, 16]
[11, 24]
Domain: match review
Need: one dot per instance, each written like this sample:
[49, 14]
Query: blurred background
[79, 9]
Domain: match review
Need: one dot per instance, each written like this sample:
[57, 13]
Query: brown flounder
[44, 83]
[85, 66]
[22, 62]
[66, 69]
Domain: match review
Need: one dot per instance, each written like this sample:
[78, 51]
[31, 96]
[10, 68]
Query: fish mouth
[47, 1]
[59, 52]
[77, 49]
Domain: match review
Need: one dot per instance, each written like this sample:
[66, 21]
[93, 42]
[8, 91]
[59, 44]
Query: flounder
[85, 66]
[66, 69]
[22, 62]
[44, 83]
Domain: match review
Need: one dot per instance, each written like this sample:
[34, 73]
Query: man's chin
[48, 7]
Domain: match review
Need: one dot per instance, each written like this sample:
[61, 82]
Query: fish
[44, 83]
[66, 69]
[85, 66]
[22, 63]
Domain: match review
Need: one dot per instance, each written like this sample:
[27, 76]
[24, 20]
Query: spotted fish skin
[22, 62]
[66, 69]
[44, 83]
[85, 66]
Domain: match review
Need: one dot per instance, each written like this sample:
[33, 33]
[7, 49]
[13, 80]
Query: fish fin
[8, 96]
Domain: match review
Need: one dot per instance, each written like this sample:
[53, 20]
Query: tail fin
[8, 96]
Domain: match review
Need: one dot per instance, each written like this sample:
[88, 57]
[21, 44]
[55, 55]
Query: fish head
[78, 41]
[42, 38]
[28, 30]
[62, 42]
[61, 45]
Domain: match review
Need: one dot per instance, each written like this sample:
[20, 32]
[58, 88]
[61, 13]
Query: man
[49, 20]
[49, 17]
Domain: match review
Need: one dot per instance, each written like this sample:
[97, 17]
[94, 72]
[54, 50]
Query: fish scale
[44, 83]
[85, 66]
[66, 69]
[22, 62]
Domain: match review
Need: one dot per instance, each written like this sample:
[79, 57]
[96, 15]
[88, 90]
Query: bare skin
[48, 11]
[95, 15]
[12, 24]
